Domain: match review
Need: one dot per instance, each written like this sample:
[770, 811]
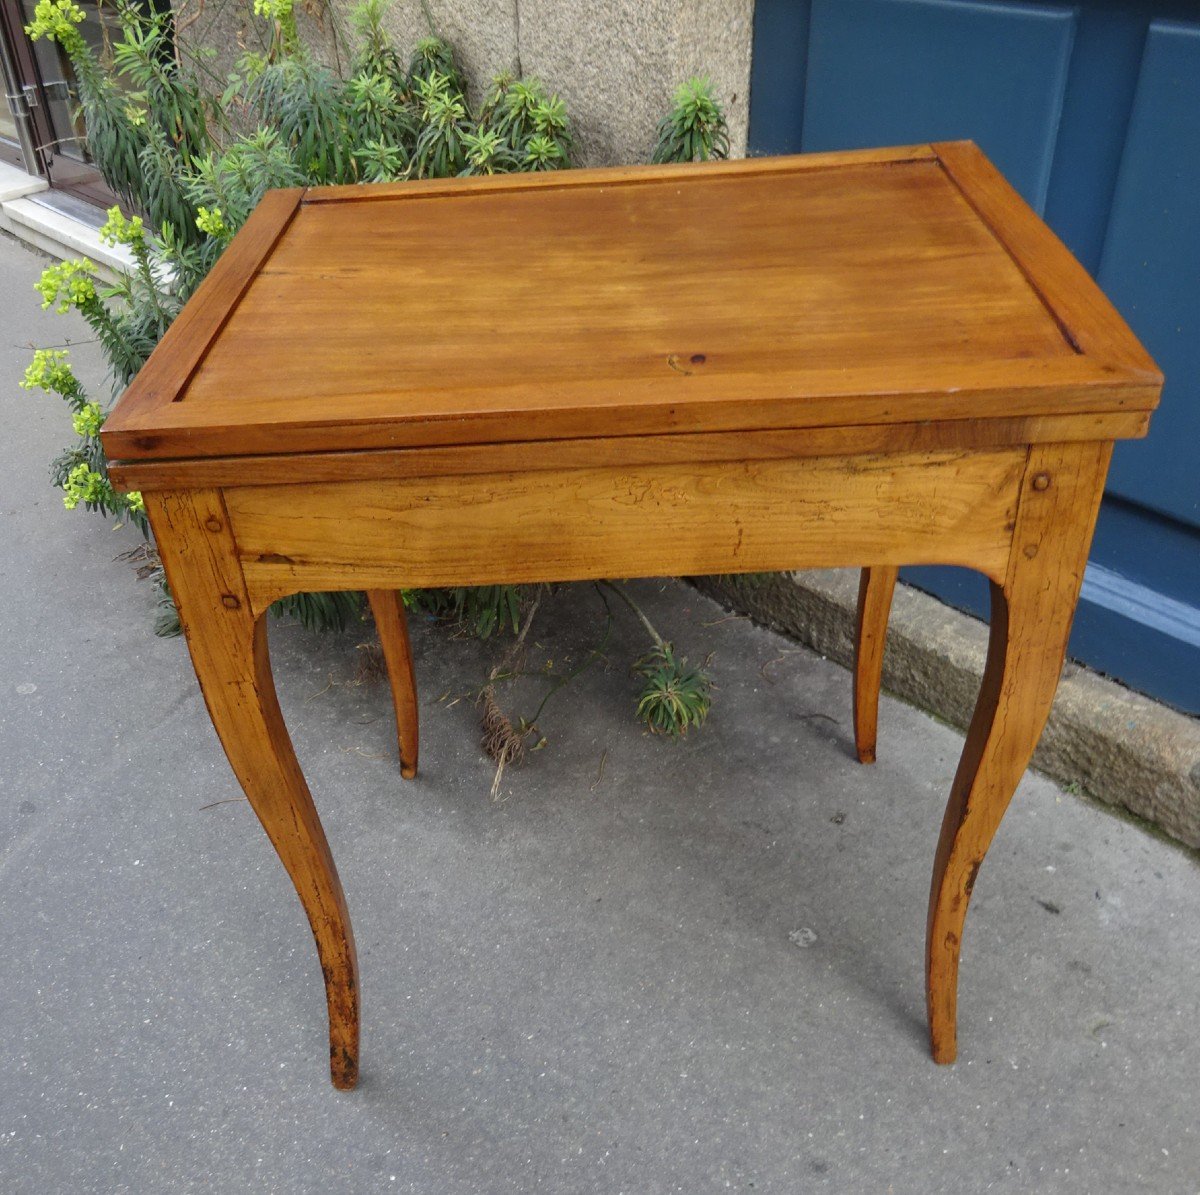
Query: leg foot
[875, 589]
[392, 623]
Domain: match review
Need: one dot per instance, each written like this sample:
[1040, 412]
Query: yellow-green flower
[88, 420]
[56, 20]
[212, 222]
[273, 10]
[135, 501]
[69, 284]
[84, 485]
[49, 371]
[119, 229]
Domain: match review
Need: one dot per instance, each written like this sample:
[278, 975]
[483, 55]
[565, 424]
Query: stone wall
[616, 63]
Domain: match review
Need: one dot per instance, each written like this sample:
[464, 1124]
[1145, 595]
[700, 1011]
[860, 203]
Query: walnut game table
[856, 359]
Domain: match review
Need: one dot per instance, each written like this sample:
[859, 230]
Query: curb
[1113, 744]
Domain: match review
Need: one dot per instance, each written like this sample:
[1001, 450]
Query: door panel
[68, 163]
[1093, 111]
[20, 135]
[889, 72]
[1151, 268]
[47, 78]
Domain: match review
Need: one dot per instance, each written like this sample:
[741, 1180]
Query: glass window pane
[100, 27]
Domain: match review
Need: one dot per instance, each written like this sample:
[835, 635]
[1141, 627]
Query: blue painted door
[1092, 110]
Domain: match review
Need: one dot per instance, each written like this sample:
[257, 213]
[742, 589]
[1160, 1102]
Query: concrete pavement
[649, 968]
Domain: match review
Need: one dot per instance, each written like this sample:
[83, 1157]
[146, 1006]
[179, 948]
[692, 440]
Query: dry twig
[370, 666]
[502, 741]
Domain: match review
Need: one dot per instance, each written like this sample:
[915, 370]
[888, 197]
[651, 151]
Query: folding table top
[827, 290]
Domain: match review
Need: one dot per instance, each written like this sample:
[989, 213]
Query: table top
[822, 291]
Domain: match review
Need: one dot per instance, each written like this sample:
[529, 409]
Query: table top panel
[823, 290]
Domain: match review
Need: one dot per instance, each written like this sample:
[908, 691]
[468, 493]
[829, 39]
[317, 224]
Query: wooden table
[866, 359]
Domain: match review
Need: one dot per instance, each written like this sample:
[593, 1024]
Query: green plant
[675, 697]
[694, 130]
[432, 56]
[189, 167]
[81, 470]
[482, 610]
[487, 153]
[440, 150]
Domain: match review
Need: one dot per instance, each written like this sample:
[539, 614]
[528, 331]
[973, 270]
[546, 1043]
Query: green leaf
[675, 698]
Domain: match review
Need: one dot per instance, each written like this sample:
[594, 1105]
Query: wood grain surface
[549, 455]
[165, 375]
[677, 520]
[1088, 319]
[887, 288]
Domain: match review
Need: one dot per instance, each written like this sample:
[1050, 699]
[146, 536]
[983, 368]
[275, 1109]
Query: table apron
[674, 519]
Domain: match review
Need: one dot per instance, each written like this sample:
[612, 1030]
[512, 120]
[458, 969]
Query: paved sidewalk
[594, 985]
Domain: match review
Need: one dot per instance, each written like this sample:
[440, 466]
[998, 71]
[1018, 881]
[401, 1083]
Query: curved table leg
[392, 623]
[228, 645]
[875, 588]
[1031, 620]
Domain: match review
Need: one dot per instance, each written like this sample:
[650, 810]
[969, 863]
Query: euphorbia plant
[190, 165]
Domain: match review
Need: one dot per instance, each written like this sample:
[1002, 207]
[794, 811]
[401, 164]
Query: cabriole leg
[228, 645]
[391, 621]
[1031, 620]
[875, 588]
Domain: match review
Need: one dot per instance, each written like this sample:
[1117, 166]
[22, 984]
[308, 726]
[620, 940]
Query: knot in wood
[1041, 481]
[213, 523]
[229, 601]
